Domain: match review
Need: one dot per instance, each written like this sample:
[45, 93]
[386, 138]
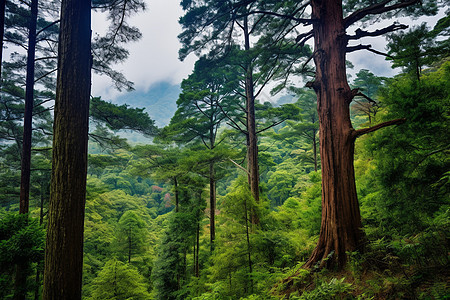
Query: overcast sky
[155, 57]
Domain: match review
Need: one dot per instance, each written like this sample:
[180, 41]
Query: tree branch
[46, 27]
[368, 48]
[270, 126]
[239, 166]
[359, 33]
[376, 9]
[356, 92]
[271, 13]
[45, 75]
[360, 132]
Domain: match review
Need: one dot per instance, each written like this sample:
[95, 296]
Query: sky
[154, 58]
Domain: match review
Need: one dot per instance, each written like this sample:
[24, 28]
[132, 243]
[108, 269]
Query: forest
[340, 189]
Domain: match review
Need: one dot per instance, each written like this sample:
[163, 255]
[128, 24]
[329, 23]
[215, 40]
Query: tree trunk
[28, 116]
[341, 220]
[197, 251]
[252, 141]
[249, 248]
[2, 30]
[22, 268]
[314, 140]
[64, 248]
[177, 194]
[212, 204]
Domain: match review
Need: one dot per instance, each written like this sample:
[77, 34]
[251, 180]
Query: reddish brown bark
[341, 220]
[64, 248]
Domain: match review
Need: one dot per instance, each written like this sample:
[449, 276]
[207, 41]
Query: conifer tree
[64, 248]
[330, 21]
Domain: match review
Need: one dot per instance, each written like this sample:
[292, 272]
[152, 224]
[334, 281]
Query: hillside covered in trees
[340, 190]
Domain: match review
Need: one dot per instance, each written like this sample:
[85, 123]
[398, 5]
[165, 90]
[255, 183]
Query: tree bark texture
[252, 141]
[341, 220]
[25, 173]
[64, 248]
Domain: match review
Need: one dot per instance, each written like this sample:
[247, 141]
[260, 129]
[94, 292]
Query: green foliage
[121, 117]
[334, 289]
[21, 240]
[170, 266]
[130, 235]
[118, 280]
[419, 47]
[406, 185]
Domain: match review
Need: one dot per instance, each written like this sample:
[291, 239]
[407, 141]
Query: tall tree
[29, 103]
[64, 248]
[224, 26]
[341, 221]
[199, 117]
[419, 47]
[130, 234]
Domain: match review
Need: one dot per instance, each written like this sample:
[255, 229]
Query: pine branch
[270, 126]
[46, 27]
[271, 13]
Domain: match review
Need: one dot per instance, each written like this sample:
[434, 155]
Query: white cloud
[154, 58]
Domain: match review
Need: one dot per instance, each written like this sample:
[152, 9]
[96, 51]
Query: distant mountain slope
[160, 101]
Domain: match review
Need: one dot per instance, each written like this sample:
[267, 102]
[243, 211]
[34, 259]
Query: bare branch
[376, 9]
[360, 132]
[366, 97]
[359, 33]
[368, 48]
[239, 166]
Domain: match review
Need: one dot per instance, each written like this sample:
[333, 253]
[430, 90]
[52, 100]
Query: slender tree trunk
[314, 149]
[37, 289]
[197, 265]
[249, 248]
[129, 245]
[64, 248]
[341, 221]
[177, 194]
[22, 268]
[2, 31]
[252, 141]
[28, 116]
[212, 204]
